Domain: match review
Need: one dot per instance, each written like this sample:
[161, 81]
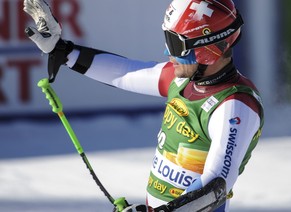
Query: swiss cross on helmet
[209, 28]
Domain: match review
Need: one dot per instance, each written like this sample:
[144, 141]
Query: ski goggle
[178, 45]
[186, 60]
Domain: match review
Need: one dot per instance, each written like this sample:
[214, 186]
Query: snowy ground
[41, 171]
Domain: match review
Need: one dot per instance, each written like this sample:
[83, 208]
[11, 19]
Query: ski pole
[57, 107]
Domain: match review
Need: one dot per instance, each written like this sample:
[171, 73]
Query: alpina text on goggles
[179, 45]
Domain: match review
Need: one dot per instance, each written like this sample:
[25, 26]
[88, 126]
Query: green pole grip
[57, 107]
[50, 94]
[120, 204]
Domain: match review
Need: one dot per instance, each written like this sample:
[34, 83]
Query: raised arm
[150, 78]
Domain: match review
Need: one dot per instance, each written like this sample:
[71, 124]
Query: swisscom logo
[235, 121]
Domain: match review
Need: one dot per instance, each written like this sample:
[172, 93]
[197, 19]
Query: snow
[40, 170]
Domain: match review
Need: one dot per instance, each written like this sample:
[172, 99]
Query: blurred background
[107, 119]
[133, 29]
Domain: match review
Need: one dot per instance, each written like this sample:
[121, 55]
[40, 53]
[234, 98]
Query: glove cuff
[58, 57]
[64, 45]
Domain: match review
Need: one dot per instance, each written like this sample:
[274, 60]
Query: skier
[213, 117]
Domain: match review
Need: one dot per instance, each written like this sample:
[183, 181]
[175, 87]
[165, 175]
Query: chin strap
[199, 72]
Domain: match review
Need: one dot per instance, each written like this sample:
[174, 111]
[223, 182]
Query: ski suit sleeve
[149, 78]
[232, 127]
